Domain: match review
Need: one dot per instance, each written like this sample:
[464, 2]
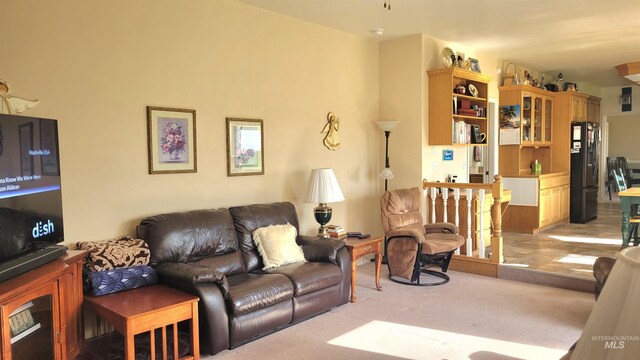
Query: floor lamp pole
[386, 154]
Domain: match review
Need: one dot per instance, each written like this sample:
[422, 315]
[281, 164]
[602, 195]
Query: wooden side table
[359, 248]
[145, 309]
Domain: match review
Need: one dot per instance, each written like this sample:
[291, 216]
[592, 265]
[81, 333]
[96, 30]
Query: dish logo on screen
[42, 229]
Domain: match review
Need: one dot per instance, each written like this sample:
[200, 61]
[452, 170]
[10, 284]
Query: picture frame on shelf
[171, 135]
[475, 65]
[245, 147]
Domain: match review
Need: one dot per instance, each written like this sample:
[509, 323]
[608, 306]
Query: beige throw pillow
[277, 245]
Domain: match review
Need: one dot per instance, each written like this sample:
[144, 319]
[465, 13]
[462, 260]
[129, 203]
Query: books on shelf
[461, 132]
[464, 107]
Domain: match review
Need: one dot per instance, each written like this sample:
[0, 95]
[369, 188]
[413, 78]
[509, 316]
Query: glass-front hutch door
[537, 119]
[526, 119]
[548, 110]
[34, 332]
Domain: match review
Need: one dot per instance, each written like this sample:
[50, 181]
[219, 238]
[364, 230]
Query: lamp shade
[387, 125]
[386, 174]
[613, 329]
[323, 187]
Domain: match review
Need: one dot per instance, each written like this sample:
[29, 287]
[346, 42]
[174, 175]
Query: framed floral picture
[172, 140]
[245, 147]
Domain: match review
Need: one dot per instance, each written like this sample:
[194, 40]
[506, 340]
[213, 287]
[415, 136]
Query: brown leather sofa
[601, 270]
[211, 253]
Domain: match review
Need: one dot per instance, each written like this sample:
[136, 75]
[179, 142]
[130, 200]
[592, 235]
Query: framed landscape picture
[245, 147]
[172, 140]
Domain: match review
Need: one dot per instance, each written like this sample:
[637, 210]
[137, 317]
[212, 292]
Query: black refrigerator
[585, 154]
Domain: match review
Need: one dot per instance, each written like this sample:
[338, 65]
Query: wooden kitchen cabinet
[536, 130]
[593, 109]
[445, 115]
[536, 112]
[578, 106]
[546, 203]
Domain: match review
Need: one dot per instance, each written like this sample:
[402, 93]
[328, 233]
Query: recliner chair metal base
[421, 266]
[417, 282]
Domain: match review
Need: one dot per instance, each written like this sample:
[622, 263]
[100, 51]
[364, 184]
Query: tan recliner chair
[411, 246]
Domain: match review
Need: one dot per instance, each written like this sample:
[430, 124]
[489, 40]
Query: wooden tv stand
[48, 299]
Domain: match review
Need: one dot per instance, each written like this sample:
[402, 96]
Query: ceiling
[583, 39]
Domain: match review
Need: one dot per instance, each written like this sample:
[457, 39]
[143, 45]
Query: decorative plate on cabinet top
[473, 90]
[447, 57]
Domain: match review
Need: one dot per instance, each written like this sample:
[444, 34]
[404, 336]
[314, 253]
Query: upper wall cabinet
[593, 109]
[531, 110]
[457, 107]
[536, 112]
[577, 106]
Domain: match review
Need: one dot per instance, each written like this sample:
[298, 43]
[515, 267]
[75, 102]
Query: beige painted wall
[95, 66]
[404, 96]
[401, 99]
[624, 132]
[610, 104]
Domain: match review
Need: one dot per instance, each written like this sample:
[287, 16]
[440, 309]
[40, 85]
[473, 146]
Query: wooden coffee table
[359, 248]
[145, 309]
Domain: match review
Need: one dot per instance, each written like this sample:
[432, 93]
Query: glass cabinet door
[548, 110]
[537, 119]
[526, 119]
[33, 330]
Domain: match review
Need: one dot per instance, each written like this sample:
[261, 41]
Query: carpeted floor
[471, 317]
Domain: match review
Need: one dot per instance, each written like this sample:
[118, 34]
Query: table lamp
[323, 188]
[613, 328]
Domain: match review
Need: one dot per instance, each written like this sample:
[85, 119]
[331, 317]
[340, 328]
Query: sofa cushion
[250, 217]
[251, 292]
[277, 245]
[191, 235]
[311, 276]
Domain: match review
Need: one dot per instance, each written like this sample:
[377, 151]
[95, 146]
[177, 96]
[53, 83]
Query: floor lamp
[386, 173]
[386, 126]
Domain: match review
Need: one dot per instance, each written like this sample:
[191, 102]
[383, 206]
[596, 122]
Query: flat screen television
[30, 194]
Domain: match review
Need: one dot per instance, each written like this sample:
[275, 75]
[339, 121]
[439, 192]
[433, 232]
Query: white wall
[624, 136]
[610, 108]
[95, 66]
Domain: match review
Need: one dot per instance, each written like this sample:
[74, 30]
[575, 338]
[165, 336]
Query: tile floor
[567, 249]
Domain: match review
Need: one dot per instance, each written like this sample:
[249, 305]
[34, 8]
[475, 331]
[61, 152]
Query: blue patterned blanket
[110, 281]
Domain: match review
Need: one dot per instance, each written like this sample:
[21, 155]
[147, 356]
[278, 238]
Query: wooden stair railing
[476, 259]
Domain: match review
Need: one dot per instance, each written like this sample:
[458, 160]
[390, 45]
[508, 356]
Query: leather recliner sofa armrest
[212, 288]
[187, 275]
[320, 249]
